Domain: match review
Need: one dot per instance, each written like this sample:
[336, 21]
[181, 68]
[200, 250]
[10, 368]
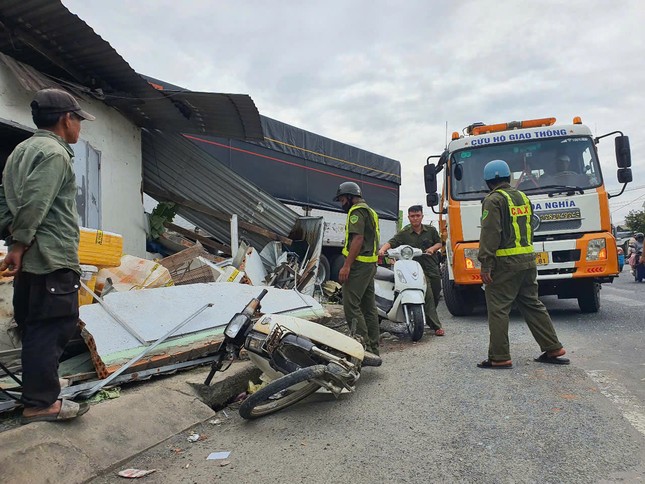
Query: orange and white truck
[558, 168]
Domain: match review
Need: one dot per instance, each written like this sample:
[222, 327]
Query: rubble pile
[126, 308]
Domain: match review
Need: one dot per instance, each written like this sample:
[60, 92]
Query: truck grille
[559, 225]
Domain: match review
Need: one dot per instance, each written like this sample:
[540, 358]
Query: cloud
[386, 76]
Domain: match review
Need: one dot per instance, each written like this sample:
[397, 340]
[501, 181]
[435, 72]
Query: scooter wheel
[268, 399]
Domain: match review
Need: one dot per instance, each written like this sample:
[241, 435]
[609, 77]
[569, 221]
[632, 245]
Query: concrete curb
[116, 430]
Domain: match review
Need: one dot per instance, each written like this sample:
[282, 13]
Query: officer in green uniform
[357, 273]
[426, 238]
[509, 271]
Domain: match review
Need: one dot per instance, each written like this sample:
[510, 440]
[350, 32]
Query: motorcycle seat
[384, 274]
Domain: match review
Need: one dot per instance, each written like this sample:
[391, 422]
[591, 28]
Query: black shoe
[371, 359]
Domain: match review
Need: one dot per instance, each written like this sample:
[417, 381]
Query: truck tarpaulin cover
[303, 168]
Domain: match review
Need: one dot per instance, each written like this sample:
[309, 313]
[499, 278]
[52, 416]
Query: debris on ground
[133, 304]
[109, 394]
[254, 387]
[135, 473]
[218, 455]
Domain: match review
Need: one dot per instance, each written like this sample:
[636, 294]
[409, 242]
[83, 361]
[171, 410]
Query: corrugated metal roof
[173, 164]
[47, 36]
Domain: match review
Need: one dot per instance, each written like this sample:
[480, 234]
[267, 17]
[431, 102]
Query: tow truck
[558, 168]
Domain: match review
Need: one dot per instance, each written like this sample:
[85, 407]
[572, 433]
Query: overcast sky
[386, 76]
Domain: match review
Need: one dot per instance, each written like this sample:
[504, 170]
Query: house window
[87, 167]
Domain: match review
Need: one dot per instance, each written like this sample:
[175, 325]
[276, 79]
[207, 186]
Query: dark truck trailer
[303, 170]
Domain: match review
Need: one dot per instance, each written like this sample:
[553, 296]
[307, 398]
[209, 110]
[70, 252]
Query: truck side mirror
[430, 178]
[623, 152]
[432, 199]
[624, 175]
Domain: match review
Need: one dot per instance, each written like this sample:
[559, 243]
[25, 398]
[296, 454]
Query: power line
[627, 204]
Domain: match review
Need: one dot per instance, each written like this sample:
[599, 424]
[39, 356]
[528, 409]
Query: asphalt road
[429, 415]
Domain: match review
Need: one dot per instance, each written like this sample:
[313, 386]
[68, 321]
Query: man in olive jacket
[426, 238]
[509, 270]
[39, 221]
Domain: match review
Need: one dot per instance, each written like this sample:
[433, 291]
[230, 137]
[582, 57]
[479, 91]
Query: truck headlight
[471, 260]
[596, 250]
[407, 252]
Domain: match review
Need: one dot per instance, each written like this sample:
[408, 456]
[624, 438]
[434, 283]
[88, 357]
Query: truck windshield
[544, 166]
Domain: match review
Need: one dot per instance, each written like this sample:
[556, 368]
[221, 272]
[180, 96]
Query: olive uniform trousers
[359, 304]
[520, 287]
[433, 290]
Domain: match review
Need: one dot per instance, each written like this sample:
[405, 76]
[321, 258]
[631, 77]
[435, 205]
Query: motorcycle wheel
[259, 403]
[414, 320]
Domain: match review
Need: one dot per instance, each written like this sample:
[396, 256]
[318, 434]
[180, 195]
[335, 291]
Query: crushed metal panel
[29, 78]
[153, 312]
[173, 164]
[311, 229]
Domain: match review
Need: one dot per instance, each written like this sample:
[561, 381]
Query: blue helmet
[496, 169]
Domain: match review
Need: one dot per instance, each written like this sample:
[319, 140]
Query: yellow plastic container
[98, 248]
[88, 276]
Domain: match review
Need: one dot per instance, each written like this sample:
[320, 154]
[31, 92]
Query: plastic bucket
[88, 276]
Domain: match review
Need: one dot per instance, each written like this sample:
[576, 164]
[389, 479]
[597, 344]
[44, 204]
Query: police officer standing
[426, 238]
[357, 273]
[509, 270]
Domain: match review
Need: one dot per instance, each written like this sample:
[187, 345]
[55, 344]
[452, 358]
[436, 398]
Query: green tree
[635, 220]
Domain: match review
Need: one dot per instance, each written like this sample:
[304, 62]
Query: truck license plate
[542, 258]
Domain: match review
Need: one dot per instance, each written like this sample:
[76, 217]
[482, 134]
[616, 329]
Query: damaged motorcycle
[297, 358]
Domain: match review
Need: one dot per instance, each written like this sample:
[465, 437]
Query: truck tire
[337, 262]
[460, 302]
[324, 270]
[589, 296]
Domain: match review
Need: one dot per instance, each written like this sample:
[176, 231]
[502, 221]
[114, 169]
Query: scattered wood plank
[203, 240]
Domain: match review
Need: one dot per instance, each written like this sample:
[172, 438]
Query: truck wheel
[589, 296]
[324, 271]
[460, 302]
[336, 265]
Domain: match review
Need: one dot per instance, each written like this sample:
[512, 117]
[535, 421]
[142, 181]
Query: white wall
[119, 142]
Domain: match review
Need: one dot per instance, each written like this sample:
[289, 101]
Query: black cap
[56, 101]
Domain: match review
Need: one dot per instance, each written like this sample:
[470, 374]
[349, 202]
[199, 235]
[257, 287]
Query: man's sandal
[68, 410]
[489, 364]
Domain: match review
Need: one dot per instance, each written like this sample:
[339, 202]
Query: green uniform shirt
[38, 203]
[497, 233]
[427, 238]
[360, 223]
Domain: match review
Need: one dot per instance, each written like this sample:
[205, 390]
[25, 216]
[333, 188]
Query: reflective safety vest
[377, 237]
[523, 242]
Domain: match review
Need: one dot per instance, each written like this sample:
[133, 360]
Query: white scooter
[400, 292]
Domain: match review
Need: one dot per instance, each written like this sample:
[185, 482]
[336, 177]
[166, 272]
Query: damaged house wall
[117, 140]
